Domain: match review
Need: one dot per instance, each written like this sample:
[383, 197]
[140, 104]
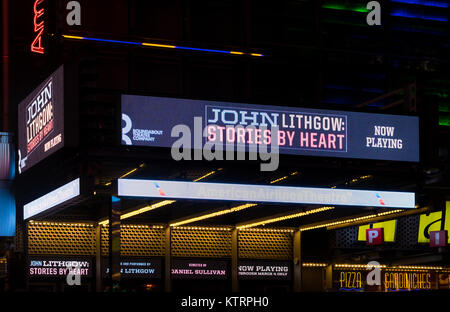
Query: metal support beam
[381, 97]
[168, 259]
[114, 243]
[98, 259]
[234, 260]
[297, 249]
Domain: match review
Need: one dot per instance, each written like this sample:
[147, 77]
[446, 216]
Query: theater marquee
[301, 131]
[263, 193]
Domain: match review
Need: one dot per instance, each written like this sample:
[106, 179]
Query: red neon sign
[36, 45]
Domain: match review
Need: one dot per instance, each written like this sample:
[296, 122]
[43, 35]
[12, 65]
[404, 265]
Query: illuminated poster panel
[41, 122]
[302, 131]
[264, 270]
[263, 193]
[57, 268]
[137, 268]
[199, 269]
[52, 199]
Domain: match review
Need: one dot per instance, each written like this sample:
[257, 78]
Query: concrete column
[168, 260]
[297, 265]
[234, 260]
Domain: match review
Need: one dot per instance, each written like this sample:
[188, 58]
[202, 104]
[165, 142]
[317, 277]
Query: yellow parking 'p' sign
[388, 226]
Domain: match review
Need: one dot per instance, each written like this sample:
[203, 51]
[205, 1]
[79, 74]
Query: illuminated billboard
[148, 121]
[41, 121]
[263, 193]
[52, 199]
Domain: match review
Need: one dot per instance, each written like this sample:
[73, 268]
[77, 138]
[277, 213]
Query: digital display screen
[263, 193]
[199, 269]
[148, 121]
[39, 267]
[41, 122]
[264, 270]
[137, 268]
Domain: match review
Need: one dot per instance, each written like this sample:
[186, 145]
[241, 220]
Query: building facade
[77, 67]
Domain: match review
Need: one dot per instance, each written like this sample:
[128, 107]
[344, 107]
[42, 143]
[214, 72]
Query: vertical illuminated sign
[41, 121]
[36, 45]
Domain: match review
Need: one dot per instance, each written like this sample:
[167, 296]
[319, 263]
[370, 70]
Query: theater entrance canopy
[235, 196]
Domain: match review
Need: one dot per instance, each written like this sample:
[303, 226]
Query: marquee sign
[52, 199]
[263, 193]
[41, 121]
[301, 131]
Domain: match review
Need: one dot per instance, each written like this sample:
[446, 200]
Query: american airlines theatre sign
[301, 131]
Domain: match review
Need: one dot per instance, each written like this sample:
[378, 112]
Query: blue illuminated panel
[7, 172]
[411, 14]
[436, 4]
[7, 210]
